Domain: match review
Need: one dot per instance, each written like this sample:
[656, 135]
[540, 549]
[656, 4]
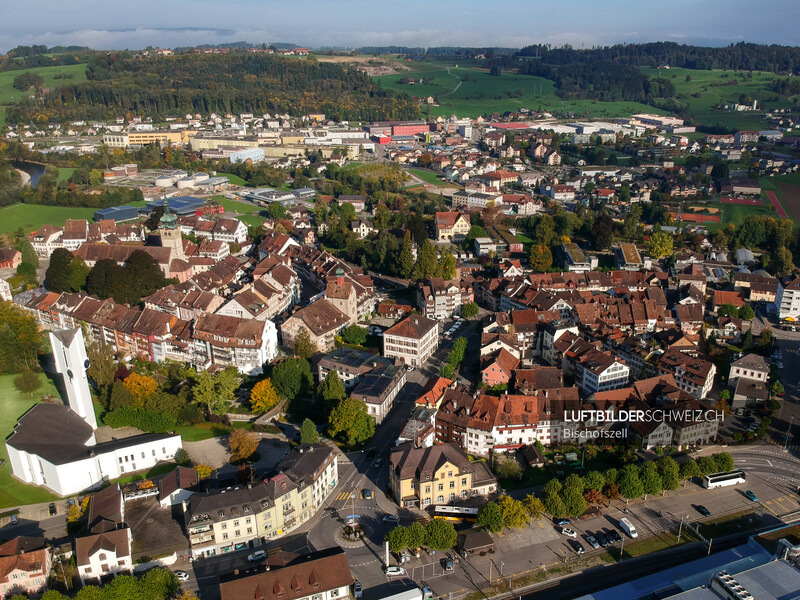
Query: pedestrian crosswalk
[342, 496]
[423, 520]
[780, 442]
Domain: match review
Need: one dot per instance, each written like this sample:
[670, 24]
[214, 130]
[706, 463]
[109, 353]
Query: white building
[787, 300]
[412, 341]
[54, 446]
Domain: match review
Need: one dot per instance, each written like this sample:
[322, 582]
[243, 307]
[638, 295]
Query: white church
[54, 445]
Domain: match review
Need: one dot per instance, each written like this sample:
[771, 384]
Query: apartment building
[692, 374]
[321, 319]
[412, 341]
[350, 365]
[787, 300]
[440, 474]
[439, 299]
[24, 566]
[379, 388]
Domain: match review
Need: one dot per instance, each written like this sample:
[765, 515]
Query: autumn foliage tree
[540, 258]
[242, 444]
[141, 387]
[263, 397]
[203, 470]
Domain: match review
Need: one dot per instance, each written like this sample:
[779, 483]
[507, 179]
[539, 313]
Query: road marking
[769, 509]
[781, 505]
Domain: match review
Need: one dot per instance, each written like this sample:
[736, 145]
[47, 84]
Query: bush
[146, 420]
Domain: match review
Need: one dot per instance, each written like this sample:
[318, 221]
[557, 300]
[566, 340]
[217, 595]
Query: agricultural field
[688, 82]
[472, 92]
[10, 95]
[32, 216]
[787, 190]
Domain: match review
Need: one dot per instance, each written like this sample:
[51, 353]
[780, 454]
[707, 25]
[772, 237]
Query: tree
[707, 465]
[204, 392]
[534, 506]
[78, 273]
[303, 346]
[574, 481]
[203, 471]
[141, 387]
[659, 244]
[650, 479]
[331, 389]
[27, 382]
[308, 432]
[668, 470]
[475, 231]
[508, 468]
[25, 81]
[447, 266]
[277, 211]
[777, 388]
[354, 334]
[469, 310]
[747, 313]
[552, 487]
[554, 505]
[490, 516]
[382, 217]
[56, 277]
[441, 535]
[291, 377]
[610, 475]
[595, 481]
[242, 444]
[515, 515]
[540, 258]
[350, 421]
[101, 364]
[728, 310]
[629, 483]
[724, 461]
[782, 264]
[689, 469]
[574, 502]
[406, 259]
[611, 491]
[416, 535]
[397, 539]
[263, 396]
[20, 339]
[426, 265]
[602, 232]
[29, 255]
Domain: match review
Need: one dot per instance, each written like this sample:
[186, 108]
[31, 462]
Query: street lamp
[353, 507]
[788, 429]
[502, 564]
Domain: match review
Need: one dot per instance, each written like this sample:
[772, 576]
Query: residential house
[106, 550]
[24, 567]
[320, 319]
[498, 368]
[350, 365]
[750, 366]
[451, 226]
[378, 389]
[440, 299]
[10, 257]
[692, 374]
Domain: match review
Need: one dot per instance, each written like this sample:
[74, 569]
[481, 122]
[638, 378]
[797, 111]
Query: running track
[777, 205]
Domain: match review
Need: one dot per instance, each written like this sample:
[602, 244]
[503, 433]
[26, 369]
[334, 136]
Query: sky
[120, 25]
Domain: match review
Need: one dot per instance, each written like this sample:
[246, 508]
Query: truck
[628, 527]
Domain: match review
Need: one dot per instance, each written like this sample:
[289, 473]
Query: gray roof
[306, 462]
[754, 362]
[222, 505]
[751, 388]
[378, 384]
[353, 361]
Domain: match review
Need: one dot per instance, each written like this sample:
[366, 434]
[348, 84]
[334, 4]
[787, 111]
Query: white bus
[455, 513]
[716, 480]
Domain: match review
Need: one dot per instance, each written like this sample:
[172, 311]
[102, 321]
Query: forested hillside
[122, 84]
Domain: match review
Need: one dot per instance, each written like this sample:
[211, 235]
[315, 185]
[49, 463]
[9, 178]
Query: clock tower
[170, 233]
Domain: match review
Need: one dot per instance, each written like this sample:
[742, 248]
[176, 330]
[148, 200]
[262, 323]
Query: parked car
[394, 571]
[568, 532]
[601, 539]
[751, 496]
[357, 589]
[367, 494]
[370, 454]
[592, 541]
[562, 522]
[703, 510]
[53, 509]
[614, 536]
[391, 518]
[447, 564]
[577, 546]
[182, 575]
[427, 593]
[14, 519]
[377, 463]
[257, 555]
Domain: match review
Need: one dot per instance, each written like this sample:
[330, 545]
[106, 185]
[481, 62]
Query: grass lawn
[479, 93]
[65, 173]
[9, 94]
[242, 208]
[32, 216]
[160, 469]
[234, 179]
[13, 405]
[735, 523]
[707, 85]
[427, 176]
[652, 544]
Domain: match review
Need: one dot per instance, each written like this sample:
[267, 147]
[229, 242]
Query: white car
[182, 575]
[257, 555]
[390, 571]
[391, 518]
[568, 532]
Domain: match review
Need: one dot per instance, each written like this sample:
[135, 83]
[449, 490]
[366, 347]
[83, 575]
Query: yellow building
[441, 474]
[143, 138]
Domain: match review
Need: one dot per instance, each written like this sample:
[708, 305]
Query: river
[29, 171]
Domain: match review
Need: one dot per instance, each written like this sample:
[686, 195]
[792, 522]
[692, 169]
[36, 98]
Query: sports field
[469, 92]
[32, 216]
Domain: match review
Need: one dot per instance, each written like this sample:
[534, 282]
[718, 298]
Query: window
[452, 485]
[463, 493]
[236, 523]
[440, 487]
[88, 570]
[413, 485]
[249, 530]
[452, 497]
[238, 533]
[427, 489]
[102, 556]
[224, 526]
[224, 536]
[440, 499]
[464, 481]
[449, 473]
[427, 502]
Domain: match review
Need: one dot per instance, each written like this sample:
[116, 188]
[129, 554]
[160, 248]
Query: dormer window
[222, 513]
